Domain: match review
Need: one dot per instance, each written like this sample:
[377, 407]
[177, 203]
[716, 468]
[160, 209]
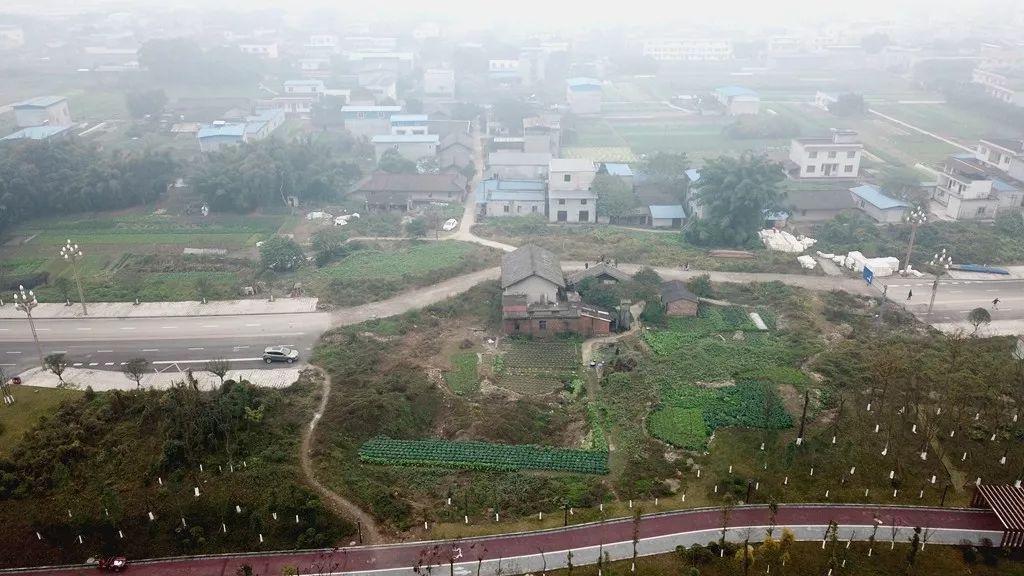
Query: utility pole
[931, 301]
[72, 253]
[916, 217]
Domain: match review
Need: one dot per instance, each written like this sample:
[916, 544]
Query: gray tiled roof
[675, 290]
[531, 260]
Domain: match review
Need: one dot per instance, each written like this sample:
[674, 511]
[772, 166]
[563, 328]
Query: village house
[620, 170]
[42, 111]
[411, 147]
[383, 191]
[835, 157]
[518, 165]
[214, 136]
[368, 120]
[39, 133]
[814, 201]
[314, 88]
[569, 196]
[409, 124]
[979, 185]
[266, 50]
[738, 101]
[678, 300]
[501, 198]
[583, 95]
[666, 215]
[455, 151]
[688, 49]
[878, 205]
[439, 82]
[534, 301]
[601, 272]
[542, 134]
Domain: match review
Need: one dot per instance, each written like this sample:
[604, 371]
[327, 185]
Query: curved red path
[528, 543]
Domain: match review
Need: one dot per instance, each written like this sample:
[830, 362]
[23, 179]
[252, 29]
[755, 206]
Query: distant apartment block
[834, 157]
[266, 50]
[11, 37]
[688, 49]
[439, 82]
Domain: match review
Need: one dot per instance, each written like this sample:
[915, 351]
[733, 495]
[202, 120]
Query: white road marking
[202, 361]
[4, 329]
[59, 352]
[77, 364]
[42, 329]
[14, 352]
[210, 326]
[196, 348]
[251, 325]
[104, 351]
[168, 327]
[955, 291]
[108, 363]
[94, 363]
[8, 364]
[992, 290]
[128, 328]
[150, 349]
[83, 329]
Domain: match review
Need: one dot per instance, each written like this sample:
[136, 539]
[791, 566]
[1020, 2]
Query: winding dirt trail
[340, 505]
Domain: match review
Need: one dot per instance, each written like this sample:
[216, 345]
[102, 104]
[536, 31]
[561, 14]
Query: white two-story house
[834, 157]
[569, 196]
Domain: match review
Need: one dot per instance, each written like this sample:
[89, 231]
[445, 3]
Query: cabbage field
[481, 456]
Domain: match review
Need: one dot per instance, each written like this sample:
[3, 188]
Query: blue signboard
[869, 276]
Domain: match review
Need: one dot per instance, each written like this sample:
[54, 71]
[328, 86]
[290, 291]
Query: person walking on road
[910, 294]
[995, 304]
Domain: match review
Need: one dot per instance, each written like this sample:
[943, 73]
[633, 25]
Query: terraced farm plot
[481, 456]
[536, 367]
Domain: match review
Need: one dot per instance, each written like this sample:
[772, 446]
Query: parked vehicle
[450, 224]
[112, 564]
[280, 354]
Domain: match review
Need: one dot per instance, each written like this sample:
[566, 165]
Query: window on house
[506, 208]
[851, 154]
[584, 216]
[561, 202]
[542, 324]
[980, 211]
[810, 169]
[534, 210]
[567, 178]
[519, 209]
[832, 154]
[583, 202]
[812, 154]
[847, 169]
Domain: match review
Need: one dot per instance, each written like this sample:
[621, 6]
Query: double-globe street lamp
[915, 218]
[26, 301]
[941, 260]
[72, 253]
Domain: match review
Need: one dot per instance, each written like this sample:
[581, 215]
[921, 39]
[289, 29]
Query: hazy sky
[524, 15]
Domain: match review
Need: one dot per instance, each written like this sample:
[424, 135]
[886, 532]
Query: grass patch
[412, 260]
[32, 404]
[686, 408]
[462, 378]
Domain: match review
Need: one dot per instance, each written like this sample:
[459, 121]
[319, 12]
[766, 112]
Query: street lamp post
[944, 261]
[26, 302]
[72, 253]
[916, 217]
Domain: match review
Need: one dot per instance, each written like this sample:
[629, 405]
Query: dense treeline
[267, 172]
[110, 459]
[44, 179]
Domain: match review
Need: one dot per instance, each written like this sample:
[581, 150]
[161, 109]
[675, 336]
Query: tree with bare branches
[219, 367]
[135, 369]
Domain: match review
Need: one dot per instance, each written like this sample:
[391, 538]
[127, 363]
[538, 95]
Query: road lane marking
[150, 349]
[83, 329]
[108, 363]
[59, 352]
[210, 326]
[168, 327]
[8, 364]
[94, 363]
[128, 328]
[4, 329]
[251, 325]
[104, 351]
[202, 361]
[42, 329]
[13, 352]
[77, 364]
[196, 348]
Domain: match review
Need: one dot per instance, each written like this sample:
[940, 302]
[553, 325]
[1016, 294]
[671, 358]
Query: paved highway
[519, 552]
[955, 298]
[104, 343]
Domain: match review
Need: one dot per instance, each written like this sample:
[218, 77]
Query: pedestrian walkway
[169, 309]
[106, 380]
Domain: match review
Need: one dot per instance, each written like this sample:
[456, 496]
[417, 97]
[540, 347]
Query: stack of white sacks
[782, 241]
[807, 262]
[880, 267]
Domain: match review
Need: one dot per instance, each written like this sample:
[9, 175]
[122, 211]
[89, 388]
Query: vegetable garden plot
[481, 456]
[536, 367]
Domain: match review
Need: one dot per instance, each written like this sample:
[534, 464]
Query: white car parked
[450, 224]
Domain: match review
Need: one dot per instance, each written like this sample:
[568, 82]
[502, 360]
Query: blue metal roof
[582, 83]
[618, 169]
[873, 195]
[234, 130]
[40, 102]
[36, 133]
[667, 212]
[731, 91]
[520, 190]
